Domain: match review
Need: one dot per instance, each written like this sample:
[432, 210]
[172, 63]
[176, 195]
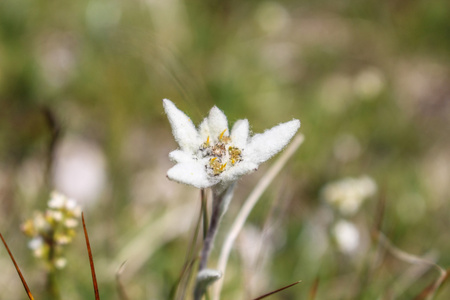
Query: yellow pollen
[207, 140]
[233, 161]
[221, 135]
[212, 160]
[222, 167]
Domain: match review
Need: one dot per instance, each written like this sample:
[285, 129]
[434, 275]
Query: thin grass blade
[120, 287]
[25, 285]
[430, 291]
[91, 260]
[277, 291]
[314, 288]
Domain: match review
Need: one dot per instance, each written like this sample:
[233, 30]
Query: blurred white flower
[348, 194]
[55, 215]
[71, 223]
[369, 83]
[79, 170]
[39, 222]
[35, 243]
[57, 200]
[51, 230]
[211, 155]
[60, 263]
[347, 236]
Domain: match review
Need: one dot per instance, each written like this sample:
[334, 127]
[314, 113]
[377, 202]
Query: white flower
[60, 263]
[35, 243]
[212, 155]
[71, 223]
[57, 200]
[347, 236]
[348, 194]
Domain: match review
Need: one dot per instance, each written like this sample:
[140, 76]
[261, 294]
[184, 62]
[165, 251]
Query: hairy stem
[221, 199]
[216, 215]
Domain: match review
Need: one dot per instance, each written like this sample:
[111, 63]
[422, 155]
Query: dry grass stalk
[248, 206]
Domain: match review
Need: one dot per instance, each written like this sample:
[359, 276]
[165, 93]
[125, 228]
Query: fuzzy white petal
[182, 127]
[217, 122]
[180, 156]
[191, 173]
[239, 133]
[265, 145]
[203, 129]
[238, 170]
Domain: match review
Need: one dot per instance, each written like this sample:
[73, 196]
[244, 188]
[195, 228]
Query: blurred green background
[81, 84]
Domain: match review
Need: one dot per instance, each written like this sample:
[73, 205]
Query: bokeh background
[81, 84]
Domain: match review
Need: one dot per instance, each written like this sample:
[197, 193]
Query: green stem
[204, 214]
[52, 285]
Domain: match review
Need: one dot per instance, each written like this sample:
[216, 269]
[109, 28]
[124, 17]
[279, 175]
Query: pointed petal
[180, 156]
[265, 145]
[203, 130]
[191, 173]
[182, 127]
[217, 122]
[239, 133]
[238, 170]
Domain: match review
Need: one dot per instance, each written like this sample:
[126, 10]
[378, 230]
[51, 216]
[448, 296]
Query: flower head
[347, 236]
[51, 230]
[348, 194]
[211, 154]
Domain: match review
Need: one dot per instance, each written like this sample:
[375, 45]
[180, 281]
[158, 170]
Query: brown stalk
[430, 291]
[91, 260]
[276, 291]
[25, 285]
[314, 288]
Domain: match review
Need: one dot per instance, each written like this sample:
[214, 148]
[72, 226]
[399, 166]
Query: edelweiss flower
[212, 155]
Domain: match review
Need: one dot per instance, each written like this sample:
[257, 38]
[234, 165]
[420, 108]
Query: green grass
[101, 72]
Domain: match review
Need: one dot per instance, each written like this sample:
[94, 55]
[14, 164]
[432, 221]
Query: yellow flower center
[221, 154]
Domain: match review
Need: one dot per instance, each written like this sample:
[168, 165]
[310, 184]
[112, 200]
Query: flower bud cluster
[348, 194]
[52, 230]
